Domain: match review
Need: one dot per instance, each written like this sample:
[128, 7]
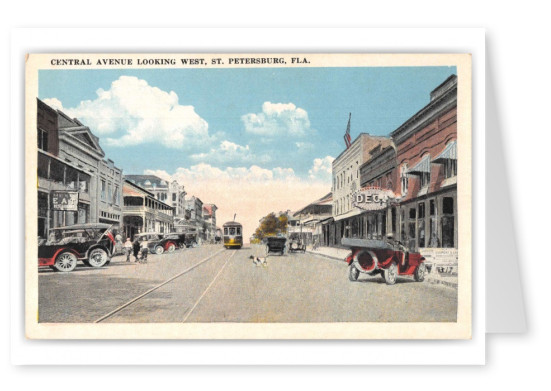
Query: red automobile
[386, 258]
[91, 243]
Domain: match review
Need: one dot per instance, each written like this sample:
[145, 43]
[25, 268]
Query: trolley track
[162, 284]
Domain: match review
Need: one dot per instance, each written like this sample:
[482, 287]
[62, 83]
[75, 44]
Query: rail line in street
[208, 287]
[120, 308]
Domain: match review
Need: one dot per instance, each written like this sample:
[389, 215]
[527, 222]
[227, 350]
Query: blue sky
[252, 141]
[316, 101]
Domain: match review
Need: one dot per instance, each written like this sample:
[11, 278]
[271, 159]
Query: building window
[421, 225]
[447, 222]
[404, 179]
[450, 168]
[173, 196]
[42, 138]
[102, 190]
[116, 195]
[109, 193]
[433, 234]
[425, 179]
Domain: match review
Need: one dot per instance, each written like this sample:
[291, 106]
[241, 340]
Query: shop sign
[65, 200]
[372, 198]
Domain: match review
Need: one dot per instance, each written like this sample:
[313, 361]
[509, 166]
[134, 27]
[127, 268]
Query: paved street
[212, 284]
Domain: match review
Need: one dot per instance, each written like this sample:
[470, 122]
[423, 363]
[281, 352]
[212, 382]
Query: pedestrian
[144, 250]
[118, 243]
[127, 249]
[136, 249]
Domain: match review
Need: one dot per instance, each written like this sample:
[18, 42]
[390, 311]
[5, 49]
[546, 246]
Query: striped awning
[422, 167]
[449, 153]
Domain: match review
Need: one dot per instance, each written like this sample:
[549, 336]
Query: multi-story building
[194, 216]
[78, 145]
[171, 193]
[142, 212]
[379, 173]
[209, 217]
[75, 183]
[427, 167]
[346, 182]
[307, 222]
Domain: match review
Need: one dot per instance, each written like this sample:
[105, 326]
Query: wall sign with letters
[65, 200]
[372, 198]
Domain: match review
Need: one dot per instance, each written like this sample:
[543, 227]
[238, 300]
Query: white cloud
[322, 168]
[228, 152]
[132, 112]
[278, 119]
[250, 192]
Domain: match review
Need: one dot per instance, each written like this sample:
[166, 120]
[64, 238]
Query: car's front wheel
[420, 271]
[65, 262]
[97, 257]
[171, 247]
[159, 250]
[391, 274]
[353, 273]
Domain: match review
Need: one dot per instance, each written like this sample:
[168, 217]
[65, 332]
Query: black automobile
[91, 243]
[152, 241]
[296, 244]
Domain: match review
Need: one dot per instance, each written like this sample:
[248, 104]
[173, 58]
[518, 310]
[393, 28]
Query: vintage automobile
[173, 241]
[387, 258]
[91, 243]
[152, 240]
[296, 244]
[275, 244]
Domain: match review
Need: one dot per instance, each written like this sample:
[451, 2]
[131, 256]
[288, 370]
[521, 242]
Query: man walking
[127, 249]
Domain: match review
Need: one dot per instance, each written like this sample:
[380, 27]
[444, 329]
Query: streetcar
[233, 234]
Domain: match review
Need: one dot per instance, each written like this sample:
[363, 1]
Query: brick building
[427, 167]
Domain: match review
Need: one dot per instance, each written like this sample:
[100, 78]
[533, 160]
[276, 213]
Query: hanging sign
[372, 198]
[65, 200]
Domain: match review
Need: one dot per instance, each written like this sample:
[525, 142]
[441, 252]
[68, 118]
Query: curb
[325, 256]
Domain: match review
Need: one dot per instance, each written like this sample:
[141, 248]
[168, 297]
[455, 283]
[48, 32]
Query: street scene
[213, 284]
[321, 195]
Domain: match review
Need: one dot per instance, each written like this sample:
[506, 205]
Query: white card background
[259, 352]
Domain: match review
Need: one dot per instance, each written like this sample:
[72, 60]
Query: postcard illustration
[248, 196]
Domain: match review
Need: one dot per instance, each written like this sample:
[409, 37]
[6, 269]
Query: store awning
[449, 153]
[422, 167]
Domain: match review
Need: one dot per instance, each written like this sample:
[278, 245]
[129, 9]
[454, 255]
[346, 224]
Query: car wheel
[353, 273]
[159, 250]
[420, 271]
[97, 257]
[66, 262]
[391, 274]
[171, 247]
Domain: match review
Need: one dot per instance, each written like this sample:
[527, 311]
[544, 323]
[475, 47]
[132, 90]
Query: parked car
[151, 240]
[91, 243]
[387, 258]
[173, 241]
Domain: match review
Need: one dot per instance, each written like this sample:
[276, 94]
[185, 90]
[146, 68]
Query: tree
[272, 225]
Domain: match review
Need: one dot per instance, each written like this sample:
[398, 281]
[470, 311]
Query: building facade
[209, 217]
[194, 216]
[171, 193]
[346, 182]
[142, 212]
[427, 167]
[307, 222]
[75, 183]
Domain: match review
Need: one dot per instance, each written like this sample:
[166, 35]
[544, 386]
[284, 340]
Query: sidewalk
[339, 254]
